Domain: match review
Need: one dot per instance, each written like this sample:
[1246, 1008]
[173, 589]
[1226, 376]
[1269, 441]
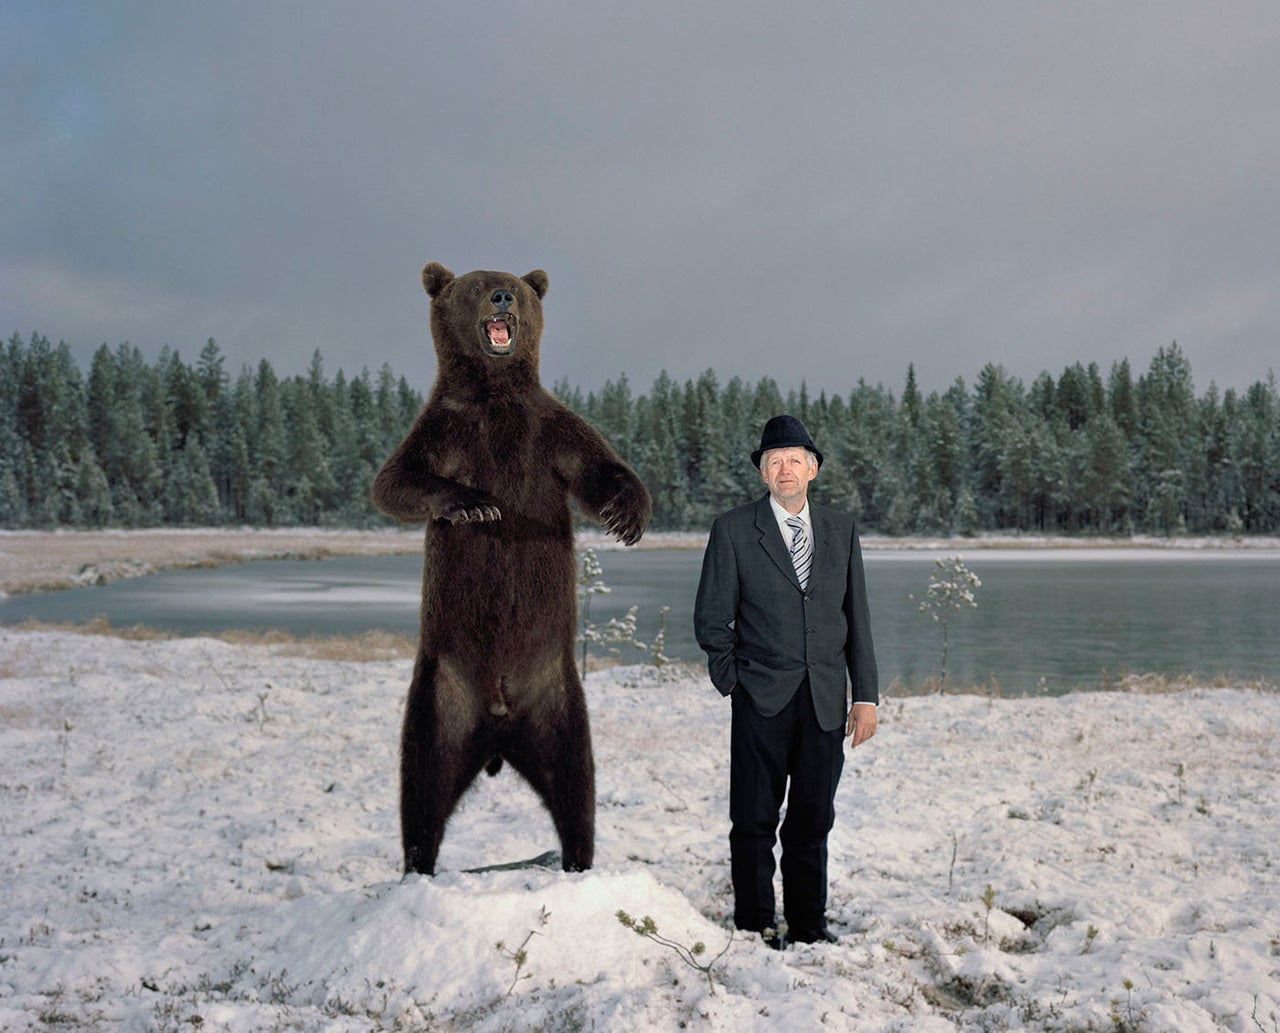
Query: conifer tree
[136, 444]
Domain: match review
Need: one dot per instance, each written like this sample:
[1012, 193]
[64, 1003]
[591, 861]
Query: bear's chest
[501, 450]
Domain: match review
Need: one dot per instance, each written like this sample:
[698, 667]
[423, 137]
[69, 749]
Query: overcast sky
[817, 191]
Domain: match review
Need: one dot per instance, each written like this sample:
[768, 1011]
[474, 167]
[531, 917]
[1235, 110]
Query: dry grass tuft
[1149, 684]
[364, 647]
[99, 626]
[935, 686]
[1160, 684]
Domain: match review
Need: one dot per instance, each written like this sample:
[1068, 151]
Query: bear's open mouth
[499, 333]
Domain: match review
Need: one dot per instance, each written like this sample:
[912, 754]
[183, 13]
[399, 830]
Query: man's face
[787, 473]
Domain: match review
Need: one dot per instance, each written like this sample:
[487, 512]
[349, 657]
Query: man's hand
[862, 723]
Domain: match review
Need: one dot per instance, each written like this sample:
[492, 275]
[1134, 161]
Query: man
[782, 615]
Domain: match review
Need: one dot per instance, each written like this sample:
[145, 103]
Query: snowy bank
[201, 835]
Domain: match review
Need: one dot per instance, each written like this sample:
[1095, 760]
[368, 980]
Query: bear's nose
[502, 298]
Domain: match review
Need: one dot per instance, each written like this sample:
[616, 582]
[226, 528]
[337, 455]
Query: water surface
[1046, 620]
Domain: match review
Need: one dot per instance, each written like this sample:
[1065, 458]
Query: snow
[200, 835]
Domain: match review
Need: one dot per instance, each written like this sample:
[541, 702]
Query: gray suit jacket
[762, 632]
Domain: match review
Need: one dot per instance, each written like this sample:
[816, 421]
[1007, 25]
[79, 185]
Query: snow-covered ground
[200, 836]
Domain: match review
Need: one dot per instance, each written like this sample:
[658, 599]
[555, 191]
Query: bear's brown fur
[490, 465]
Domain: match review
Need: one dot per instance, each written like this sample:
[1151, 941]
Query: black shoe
[770, 936]
[820, 935]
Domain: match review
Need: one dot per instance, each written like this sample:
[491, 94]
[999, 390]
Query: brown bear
[490, 465]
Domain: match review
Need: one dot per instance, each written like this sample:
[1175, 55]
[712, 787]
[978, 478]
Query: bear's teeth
[499, 333]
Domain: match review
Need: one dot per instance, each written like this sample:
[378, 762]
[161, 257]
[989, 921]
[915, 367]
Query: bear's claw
[472, 515]
[626, 527]
[468, 508]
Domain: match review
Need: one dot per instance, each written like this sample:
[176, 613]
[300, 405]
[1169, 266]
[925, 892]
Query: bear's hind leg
[554, 756]
[438, 761]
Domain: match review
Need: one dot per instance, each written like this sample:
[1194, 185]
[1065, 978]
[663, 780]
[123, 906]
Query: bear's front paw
[467, 507]
[626, 515]
[472, 515]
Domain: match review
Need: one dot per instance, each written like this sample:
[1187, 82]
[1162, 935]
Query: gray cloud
[816, 191]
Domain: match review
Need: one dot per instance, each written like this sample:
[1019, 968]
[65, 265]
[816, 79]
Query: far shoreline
[39, 561]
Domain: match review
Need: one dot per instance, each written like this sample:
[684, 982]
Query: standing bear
[490, 465]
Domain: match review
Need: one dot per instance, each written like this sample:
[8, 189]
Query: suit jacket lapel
[771, 540]
[821, 543]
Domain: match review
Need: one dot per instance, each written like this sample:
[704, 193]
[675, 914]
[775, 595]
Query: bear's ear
[435, 278]
[538, 281]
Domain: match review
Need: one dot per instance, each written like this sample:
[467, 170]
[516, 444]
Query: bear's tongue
[499, 334]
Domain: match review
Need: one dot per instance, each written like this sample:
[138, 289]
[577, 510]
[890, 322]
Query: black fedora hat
[784, 432]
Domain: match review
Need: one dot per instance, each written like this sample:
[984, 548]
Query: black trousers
[765, 754]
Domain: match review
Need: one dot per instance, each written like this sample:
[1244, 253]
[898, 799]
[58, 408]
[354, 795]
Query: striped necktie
[801, 549]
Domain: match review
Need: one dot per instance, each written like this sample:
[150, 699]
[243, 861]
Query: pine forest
[131, 443]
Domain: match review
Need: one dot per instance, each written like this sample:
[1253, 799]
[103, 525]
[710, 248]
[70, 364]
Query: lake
[1047, 620]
